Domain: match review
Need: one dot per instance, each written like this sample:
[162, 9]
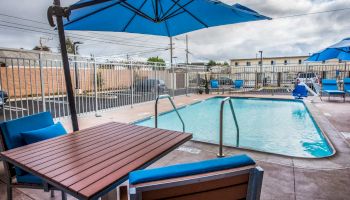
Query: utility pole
[171, 65]
[187, 52]
[75, 51]
[261, 67]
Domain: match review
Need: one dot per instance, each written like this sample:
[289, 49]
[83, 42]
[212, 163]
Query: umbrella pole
[67, 75]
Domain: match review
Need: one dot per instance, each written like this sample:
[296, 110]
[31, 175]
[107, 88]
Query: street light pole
[75, 51]
[261, 67]
[171, 65]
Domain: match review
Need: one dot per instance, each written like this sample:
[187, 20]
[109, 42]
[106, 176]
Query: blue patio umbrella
[340, 50]
[155, 17]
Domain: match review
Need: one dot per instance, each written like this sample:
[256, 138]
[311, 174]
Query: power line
[311, 13]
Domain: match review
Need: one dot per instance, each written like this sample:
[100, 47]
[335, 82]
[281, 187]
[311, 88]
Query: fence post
[95, 87]
[42, 82]
[132, 83]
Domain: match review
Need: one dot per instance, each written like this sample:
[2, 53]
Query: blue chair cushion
[300, 91]
[174, 171]
[329, 84]
[12, 130]
[238, 83]
[43, 133]
[347, 85]
[333, 91]
[29, 179]
[214, 84]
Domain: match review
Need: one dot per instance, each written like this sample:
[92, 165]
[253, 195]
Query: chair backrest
[11, 130]
[221, 178]
[329, 84]
[214, 83]
[238, 183]
[238, 83]
[346, 84]
[300, 91]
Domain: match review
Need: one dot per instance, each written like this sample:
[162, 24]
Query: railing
[221, 124]
[173, 104]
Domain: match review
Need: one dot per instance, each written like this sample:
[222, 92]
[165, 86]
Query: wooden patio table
[89, 163]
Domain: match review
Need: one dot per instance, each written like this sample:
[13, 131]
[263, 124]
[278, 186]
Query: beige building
[268, 61]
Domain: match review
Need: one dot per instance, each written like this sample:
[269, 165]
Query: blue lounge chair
[330, 87]
[35, 128]
[299, 92]
[214, 85]
[234, 177]
[238, 84]
[347, 85]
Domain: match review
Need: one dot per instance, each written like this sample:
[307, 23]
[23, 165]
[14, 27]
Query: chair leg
[64, 195]
[52, 193]
[9, 192]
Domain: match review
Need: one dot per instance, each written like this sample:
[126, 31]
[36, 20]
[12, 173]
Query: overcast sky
[279, 37]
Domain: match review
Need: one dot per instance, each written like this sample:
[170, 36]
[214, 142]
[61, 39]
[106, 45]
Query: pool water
[275, 126]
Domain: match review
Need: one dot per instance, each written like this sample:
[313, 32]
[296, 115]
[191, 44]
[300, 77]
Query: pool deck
[285, 177]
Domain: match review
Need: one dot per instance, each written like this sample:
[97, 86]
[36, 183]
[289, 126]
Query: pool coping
[315, 120]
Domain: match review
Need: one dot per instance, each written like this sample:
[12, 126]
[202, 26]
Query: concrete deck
[285, 177]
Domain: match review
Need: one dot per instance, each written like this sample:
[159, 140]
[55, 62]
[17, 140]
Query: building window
[285, 62]
[236, 63]
[249, 64]
[260, 62]
[2, 64]
[323, 62]
[340, 60]
[300, 62]
[272, 62]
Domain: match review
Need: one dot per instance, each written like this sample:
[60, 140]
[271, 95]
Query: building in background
[280, 61]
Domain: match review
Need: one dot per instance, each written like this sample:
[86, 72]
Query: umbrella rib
[154, 9]
[174, 13]
[89, 14]
[169, 9]
[165, 22]
[171, 16]
[196, 18]
[132, 18]
[135, 10]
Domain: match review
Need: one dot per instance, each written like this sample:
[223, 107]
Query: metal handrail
[221, 124]
[173, 104]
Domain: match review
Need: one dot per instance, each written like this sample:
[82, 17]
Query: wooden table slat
[88, 153]
[89, 162]
[97, 172]
[76, 174]
[107, 180]
[86, 162]
[76, 146]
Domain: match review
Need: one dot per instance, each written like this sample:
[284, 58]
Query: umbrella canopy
[340, 50]
[156, 17]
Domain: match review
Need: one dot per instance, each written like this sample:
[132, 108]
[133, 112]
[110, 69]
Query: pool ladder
[220, 154]
[166, 96]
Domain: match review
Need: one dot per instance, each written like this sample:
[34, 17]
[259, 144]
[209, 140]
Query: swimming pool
[276, 126]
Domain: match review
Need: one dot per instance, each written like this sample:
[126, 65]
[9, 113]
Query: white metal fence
[35, 82]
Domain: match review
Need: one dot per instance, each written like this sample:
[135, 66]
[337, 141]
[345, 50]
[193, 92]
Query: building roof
[269, 58]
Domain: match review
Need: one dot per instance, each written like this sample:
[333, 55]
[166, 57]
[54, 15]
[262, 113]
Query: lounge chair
[238, 84]
[330, 87]
[11, 136]
[347, 85]
[229, 178]
[214, 85]
[299, 92]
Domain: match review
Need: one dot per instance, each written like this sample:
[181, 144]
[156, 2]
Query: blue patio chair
[238, 84]
[347, 85]
[299, 92]
[330, 87]
[214, 85]
[23, 131]
[234, 177]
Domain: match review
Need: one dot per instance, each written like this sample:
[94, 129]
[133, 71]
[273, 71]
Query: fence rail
[36, 83]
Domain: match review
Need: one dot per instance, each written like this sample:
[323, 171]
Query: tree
[226, 64]
[43, 48]
[69, 46]
[211, 63]
[155, 60]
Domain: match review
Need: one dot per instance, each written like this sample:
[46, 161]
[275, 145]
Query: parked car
[225, 81]
[3, 98]
[150, 85]
[307, 78]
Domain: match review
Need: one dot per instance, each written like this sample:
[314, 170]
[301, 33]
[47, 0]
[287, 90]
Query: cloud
[279, 37]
